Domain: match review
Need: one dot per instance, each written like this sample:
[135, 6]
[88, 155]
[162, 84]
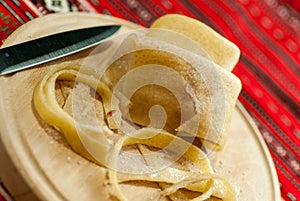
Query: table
[267, 33]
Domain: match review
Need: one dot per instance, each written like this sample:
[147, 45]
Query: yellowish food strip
[221, 51]
[206, 182]
[48, 108]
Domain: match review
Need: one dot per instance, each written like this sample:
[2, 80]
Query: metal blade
[41, 50]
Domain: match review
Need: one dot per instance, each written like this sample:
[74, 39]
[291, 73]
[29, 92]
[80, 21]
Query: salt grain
[68, 158]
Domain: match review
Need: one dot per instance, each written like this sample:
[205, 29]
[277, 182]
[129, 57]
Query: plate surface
[43, 165]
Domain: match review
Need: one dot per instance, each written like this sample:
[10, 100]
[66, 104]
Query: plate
[36, 164]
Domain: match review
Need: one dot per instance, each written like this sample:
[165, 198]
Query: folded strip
[46, 105]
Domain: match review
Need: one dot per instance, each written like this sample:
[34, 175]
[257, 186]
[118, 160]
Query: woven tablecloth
[268, 35]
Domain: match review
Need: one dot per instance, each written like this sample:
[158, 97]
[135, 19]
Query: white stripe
[12, 11]
[5, 195]
[33, 7]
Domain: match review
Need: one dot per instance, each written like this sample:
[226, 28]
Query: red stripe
[216, 19]
[253, 56]
[284, 178]
[220, 22]
[270, 13]
[25, 8]
[120, 11]
[249, 84]
[281, 165]
[173, 6]
[4, 195]
[16, 9]
[283, 175]
[130, 15]
[88, 6]
[156, 9]
[142, 14]
[287, 186]
[111, 9]
[286, 167]
[13, 19]
[265, 96]
[2, 198]
[275, 58]
[292, 4]
[278, 24]
[30, 7]
[8, 23]
[250, 45]
[101, 7]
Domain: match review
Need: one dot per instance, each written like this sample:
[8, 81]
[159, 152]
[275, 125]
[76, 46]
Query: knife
[29, 54]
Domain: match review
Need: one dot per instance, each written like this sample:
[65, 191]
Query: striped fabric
[266, 31]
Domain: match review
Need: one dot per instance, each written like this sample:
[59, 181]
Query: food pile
[154, 112]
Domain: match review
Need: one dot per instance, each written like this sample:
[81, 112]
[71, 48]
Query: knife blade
[29, 54]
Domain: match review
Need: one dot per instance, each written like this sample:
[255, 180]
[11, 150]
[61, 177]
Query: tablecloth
[268, 35]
